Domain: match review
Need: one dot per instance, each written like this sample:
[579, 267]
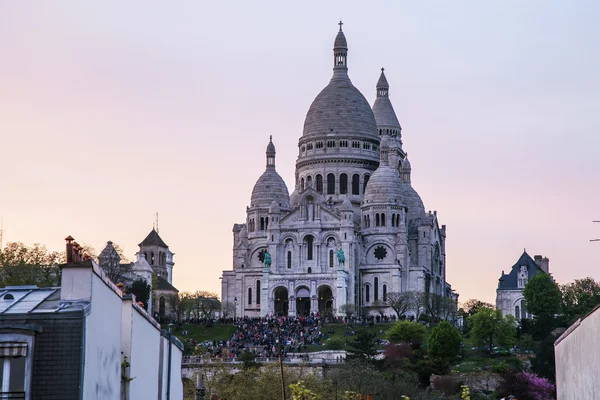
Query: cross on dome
[340, 24]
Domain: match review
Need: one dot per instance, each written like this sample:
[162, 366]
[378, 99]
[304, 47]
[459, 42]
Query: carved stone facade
[353, 229]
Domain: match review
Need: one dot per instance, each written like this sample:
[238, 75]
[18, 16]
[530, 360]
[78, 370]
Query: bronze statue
[340, 256]
[267, 259]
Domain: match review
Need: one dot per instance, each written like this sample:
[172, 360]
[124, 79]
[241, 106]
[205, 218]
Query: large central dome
[340, 108]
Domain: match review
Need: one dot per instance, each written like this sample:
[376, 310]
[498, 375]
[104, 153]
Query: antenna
[591, 240]
[157, 222]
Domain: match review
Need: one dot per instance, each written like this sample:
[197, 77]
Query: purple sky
[111, 111]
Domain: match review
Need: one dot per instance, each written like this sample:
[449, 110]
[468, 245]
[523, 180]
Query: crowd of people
[267, 337]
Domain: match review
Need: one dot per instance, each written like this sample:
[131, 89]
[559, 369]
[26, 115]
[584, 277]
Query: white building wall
[577, 361]
[145, 358]
[102, 370]
[176, 381]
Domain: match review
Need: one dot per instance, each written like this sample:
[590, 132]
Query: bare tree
[348, 309]
[379, 306]
[205, 303]
[417, 303]
[227, 309]
[400, 302]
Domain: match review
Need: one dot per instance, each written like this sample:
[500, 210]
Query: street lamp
[235, 308]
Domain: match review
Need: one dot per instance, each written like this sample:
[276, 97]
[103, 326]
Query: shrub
[526, 386]
[334, 344]
[406, 332]
[446, 384]
[444, 341]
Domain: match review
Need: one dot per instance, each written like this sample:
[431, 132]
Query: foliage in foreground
[444, 341]
[406, 332]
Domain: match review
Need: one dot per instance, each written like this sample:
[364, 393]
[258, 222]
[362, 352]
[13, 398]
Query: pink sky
[112, 111]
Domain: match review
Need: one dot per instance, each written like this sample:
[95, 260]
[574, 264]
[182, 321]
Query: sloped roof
[153, 239]
[509, 281]
[163, 284]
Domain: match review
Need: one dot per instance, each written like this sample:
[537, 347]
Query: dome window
[355, 184]
[319, 145]
[309, 146]
[343, 184]
[330, 143]
[330, 184]
[319, 179]
[343, 143]
[367, 146]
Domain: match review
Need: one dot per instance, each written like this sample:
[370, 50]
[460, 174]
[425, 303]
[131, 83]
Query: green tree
[141, 290]
[490, 328]
[542, 295]
[471, 306]
[23, 265]
[406, 332]
[580, 297]
[363, 346]
[444, 341]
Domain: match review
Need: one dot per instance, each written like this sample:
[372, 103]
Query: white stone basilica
[353, 192]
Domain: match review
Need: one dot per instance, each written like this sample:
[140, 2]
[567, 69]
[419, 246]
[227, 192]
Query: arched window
[367, 293]
[8, 297]
[376, 289]
[289, 259]
[267, 223]
[355, 184]
[517, 312]
[309, 247]
[249, 296]
[330, 258]
[330, 184]
[161, 306]
[368, 221]
[146, 256]
[343, 184]
[523, 310]
[262, 223]
[309, 181]
[365, 181]
[309, 270]
[382, 219]
[258, 291]
[302, 184]
[377, 219]
[384, 292]
[152, 258]
[319, 179]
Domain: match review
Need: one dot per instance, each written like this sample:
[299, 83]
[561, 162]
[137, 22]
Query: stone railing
[319, 357]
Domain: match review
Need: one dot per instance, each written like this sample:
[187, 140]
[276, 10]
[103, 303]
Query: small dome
[385, 186]
[413, 202]
[271, 146]
[274, 207]
[406, 165]
[141, 265]
[346, 205]
[270, 186]
[340, 41]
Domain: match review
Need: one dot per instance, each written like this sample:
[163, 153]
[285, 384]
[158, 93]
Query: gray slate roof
[509, 281]
[153, 239]
[34, 300]
[163, 284]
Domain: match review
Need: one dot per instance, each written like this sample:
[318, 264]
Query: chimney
[69, 240]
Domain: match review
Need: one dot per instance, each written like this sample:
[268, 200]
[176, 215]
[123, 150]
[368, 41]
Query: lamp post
[235, 303]
[169, 362]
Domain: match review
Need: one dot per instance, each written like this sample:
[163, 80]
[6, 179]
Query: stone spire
[340, 55]
[382, 85]
[384, 149]
[271, 153]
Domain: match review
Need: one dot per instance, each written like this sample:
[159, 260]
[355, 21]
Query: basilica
[353, 230]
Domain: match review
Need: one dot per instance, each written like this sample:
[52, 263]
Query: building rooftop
[153, 239]
[34, 300]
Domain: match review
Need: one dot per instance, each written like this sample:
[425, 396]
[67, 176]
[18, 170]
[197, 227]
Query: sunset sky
[111, 111]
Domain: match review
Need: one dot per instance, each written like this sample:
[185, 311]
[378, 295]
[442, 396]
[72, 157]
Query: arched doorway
[325, 300]
[302, 302]
[281, 301]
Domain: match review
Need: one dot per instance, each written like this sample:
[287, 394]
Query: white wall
[144, 359]
[577, 354]
[102, 370]
[176, 381]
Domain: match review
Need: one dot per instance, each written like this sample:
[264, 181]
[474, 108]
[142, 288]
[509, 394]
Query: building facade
[509, 295]
[71, 342]
[352, 230]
